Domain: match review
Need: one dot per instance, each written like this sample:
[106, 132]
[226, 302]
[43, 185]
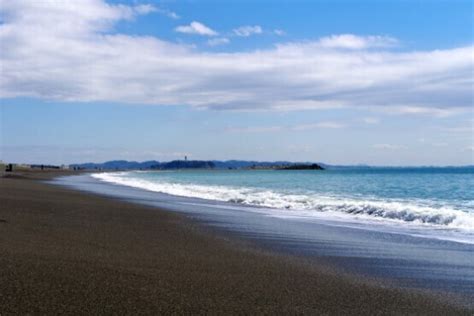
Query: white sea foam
[302, 205]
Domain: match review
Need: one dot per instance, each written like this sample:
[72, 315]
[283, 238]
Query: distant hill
[241, 164]
[187, 164]
[217, 164]
[117, 165]
[313, 166]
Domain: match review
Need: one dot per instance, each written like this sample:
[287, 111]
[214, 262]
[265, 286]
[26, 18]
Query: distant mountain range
[184, 164]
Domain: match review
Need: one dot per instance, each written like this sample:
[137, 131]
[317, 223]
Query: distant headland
[313, 166]
[198, 164]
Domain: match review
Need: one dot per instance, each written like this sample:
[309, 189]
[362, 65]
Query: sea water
[427, 202]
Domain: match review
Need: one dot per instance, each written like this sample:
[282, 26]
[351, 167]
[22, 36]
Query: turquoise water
[438, 201]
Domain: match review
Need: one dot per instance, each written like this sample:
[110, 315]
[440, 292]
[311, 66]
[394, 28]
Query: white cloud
[196, 28]
[350, 41]
[172, 15]
[70, 52]
[279, 32]
[73, 17]
[218, 41]
[248, 30]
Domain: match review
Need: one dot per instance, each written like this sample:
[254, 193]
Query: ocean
[424, 202]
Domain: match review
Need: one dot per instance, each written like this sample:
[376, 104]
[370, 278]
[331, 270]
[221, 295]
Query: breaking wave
[299, 205]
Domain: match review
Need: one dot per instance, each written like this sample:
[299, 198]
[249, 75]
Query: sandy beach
[65, 251]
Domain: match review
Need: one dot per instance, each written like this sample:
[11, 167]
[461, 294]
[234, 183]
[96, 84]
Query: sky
[340, 82]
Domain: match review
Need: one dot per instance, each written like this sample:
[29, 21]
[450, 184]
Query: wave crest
[299, 205]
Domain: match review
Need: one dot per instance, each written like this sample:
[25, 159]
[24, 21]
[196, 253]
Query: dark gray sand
[64, 251]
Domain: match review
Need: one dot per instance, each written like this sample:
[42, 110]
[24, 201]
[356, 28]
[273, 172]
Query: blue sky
[344, 82]
[419, 24]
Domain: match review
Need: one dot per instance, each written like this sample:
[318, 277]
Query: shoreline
[71, 251]
[397, 215]
[401, 260]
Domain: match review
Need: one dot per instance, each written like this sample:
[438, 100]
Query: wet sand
[64, 251]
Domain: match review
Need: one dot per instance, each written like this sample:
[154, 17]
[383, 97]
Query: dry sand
[64, 251]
